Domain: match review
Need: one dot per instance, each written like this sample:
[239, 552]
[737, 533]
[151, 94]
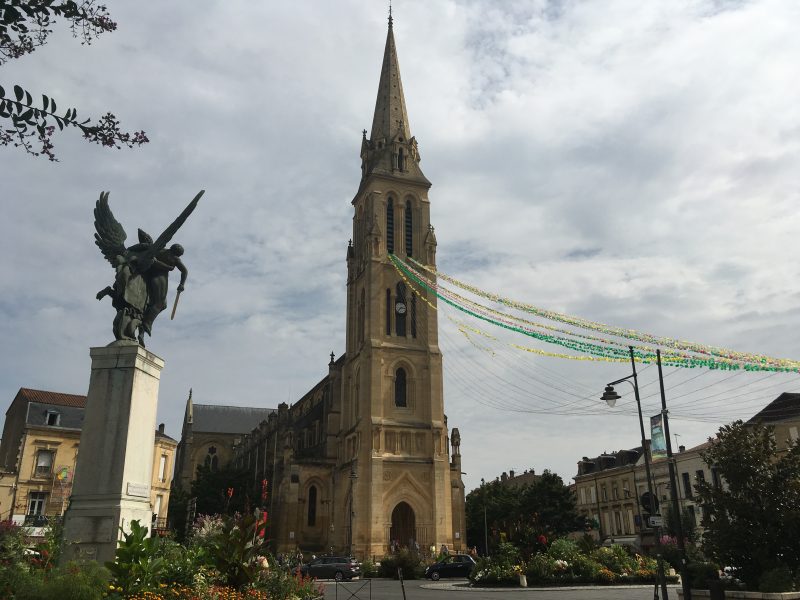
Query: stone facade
[39, 451]
[364, 458]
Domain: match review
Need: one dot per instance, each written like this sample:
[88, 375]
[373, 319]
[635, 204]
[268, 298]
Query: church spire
[390, 149]
[390, 106]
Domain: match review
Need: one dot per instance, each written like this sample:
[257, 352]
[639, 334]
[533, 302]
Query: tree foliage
[753, 521]
[528, 515]
[222, 491]
[24, 26]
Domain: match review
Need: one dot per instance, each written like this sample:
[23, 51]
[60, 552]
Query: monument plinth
[115, 457]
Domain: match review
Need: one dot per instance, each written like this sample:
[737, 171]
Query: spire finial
[390, 14]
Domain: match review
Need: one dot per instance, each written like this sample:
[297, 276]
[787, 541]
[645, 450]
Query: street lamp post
[610, 396]
[485, 528]
[673, 485]
[353, 477]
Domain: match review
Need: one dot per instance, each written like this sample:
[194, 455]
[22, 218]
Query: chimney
[160, 428]
[681, 448]
[511, 473]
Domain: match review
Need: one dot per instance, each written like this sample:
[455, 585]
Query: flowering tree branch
[24, 26]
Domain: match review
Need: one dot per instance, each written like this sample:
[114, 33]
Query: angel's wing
[144, 237]
[110, 236]
[147, 258]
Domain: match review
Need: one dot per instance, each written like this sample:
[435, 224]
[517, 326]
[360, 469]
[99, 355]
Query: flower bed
[564, 564]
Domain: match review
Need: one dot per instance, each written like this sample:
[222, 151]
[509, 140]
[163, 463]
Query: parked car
[456, 565]
[332, 567]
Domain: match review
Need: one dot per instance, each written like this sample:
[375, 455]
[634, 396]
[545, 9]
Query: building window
[401, 160]
[626, 492]
[44, 463]
[162, 468]
[388, 311]
[361, 316]
[36, 502]
[400, 390]
[390, 226]
[400, 310]
[701, 476]
[687, 485]
[413, 315]
[715, 477]
[603, 493]
[212, 461]
[615, 492]
[157, 507]
[409, 229]
[312, 506]
[53, 419]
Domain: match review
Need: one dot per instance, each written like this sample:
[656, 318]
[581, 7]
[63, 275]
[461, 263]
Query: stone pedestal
[115, 457]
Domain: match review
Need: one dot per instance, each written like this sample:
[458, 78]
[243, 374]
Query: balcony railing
[41, 520]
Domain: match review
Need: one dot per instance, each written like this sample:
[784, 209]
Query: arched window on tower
[400, 391]
[401, 160]
[388, 311]
[400, 309]
[409, 229]
[361, 317]
[390, 226]
[413, 315]
[312, 506]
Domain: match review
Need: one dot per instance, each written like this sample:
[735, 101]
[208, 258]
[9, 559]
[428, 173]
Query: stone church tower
[396, 442]
[363, 459]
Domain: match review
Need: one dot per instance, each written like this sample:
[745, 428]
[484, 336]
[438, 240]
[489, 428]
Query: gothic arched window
[211, 461]
[401, 160]
[312, 506]
[388, 311]
[413, 315]
[361, 316]
[409, 229]
[390, 227]
[400, 310]
[400, 398]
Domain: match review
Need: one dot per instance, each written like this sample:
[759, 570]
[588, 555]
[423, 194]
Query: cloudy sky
[632, 163]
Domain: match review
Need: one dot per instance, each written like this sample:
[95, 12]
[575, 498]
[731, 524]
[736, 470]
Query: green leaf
[2, 92]
[45, 102]
[28, 99]
[26, 116]
[18, 92]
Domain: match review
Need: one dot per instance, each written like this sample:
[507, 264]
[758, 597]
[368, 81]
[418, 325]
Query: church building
[363, 462]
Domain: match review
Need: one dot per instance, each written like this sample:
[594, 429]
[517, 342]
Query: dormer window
[52, 418]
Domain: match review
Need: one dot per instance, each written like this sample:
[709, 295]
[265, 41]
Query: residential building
[783, 414]
[607, 493]
[38, 453]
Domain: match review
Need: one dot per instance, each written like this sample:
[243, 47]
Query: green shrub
[236, 548]
[776, 580]
[563, 549]
[494, 571]
[584, 568]
[137, 566]
[410, 562]
[281, 584]
[369, 569]
[541, 568]
[616, 559]
[587, 544]
[74, 581]
[700, 573]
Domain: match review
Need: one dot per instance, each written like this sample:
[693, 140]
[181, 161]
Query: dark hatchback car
[332, 567]
[457, 565]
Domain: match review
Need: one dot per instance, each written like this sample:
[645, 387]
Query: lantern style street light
[610, 396]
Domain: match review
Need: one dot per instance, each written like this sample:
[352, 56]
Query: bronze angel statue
[139, 292]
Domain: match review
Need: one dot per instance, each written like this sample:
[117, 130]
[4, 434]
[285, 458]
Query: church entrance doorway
[403, 530]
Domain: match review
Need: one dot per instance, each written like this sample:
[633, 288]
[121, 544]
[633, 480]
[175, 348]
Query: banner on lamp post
[658, 443]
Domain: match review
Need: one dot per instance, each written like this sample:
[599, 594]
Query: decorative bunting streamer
[631, 334]
[614, 351]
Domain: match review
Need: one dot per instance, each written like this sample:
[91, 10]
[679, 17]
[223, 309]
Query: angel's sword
[175, 306]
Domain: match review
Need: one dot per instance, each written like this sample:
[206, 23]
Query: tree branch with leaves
[25, 26]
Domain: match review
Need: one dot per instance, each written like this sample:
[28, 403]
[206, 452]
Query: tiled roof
[213, 418]
[784, 407]
[57, 398]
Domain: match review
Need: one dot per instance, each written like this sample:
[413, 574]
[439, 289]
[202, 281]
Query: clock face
[400, 308]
